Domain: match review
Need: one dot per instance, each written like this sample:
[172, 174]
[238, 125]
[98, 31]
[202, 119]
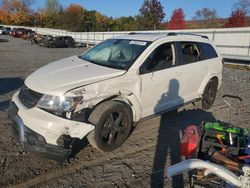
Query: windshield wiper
[102, 64]
[113, 66]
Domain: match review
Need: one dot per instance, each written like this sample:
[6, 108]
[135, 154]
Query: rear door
[192, 68]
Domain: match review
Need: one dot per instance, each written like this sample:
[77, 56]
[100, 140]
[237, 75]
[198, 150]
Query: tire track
[139, 135]
[59, 173]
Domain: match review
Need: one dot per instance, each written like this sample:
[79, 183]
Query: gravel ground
[153, 145]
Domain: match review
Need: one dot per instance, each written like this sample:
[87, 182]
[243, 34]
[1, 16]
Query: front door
[159, 84]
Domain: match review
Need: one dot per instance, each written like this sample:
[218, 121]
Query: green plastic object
[224, 128]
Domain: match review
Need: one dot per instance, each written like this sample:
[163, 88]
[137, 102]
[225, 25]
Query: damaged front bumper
[40, 131]
[31, 140]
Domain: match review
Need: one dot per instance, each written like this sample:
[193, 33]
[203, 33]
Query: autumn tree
[73, 18]
[38, 18]
[125, 24]
[151, 15]
[16, 12]
[53, 14]
[102, 22]
[90, 21]
[177, 20]
[237, 19]
[205, 14]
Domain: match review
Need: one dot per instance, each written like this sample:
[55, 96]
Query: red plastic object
[244, 157]
[190, 141]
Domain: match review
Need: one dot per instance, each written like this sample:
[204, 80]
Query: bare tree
[205, 14]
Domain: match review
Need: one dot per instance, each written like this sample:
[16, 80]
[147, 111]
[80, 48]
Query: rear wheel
[113, 121]
[70, 45]
[209, 94]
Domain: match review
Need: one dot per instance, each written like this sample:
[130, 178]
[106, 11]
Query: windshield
[115, 53]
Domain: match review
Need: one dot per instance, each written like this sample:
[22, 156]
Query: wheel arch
[130, 101]
[133, 104]
[205, 81]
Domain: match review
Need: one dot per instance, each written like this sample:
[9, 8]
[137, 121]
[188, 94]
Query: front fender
[132, 101]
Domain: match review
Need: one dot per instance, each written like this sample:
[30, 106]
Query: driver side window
[161, 58]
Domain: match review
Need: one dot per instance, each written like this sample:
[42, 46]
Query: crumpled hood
[63, 75]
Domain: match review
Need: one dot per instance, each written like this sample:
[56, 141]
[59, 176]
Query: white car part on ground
[223, 173]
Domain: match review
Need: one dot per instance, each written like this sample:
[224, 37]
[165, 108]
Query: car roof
[142, 36]
[154, 36]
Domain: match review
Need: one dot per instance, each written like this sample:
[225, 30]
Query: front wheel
[209, 94]
[113, 121]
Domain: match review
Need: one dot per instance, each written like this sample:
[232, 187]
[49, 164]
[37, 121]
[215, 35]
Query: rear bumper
[31, 140]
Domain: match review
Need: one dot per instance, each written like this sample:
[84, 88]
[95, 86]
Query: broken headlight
[58, 105]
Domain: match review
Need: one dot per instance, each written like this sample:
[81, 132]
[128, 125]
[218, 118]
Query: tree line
[150, 17]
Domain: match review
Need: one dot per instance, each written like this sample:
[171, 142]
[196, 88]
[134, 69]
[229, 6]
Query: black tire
[209, 94]
[113, 121]
[70, 45]
[52, 45]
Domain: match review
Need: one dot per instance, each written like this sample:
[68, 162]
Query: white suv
[104, 92]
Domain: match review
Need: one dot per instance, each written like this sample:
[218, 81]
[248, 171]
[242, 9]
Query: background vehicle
[5, 30]
[59, 42]
[17, 32]
[52, 42]
[1, 30]
[28, 34]
[39, 39]
[20, 32]
[103, 93]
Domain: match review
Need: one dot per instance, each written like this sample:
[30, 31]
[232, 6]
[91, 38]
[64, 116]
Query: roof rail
[176, 33]
[146, 33]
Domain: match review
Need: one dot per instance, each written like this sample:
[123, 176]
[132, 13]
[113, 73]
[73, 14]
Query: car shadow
[4, 105]
[4, 40]
[8, 85]
[172, 123]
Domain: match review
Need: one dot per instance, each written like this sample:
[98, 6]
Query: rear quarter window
[208, 52]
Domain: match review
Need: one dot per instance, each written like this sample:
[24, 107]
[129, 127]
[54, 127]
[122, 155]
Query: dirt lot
[153, 145]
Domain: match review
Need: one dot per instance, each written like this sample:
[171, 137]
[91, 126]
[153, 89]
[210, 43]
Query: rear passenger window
[190, 52]
[208, 51]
